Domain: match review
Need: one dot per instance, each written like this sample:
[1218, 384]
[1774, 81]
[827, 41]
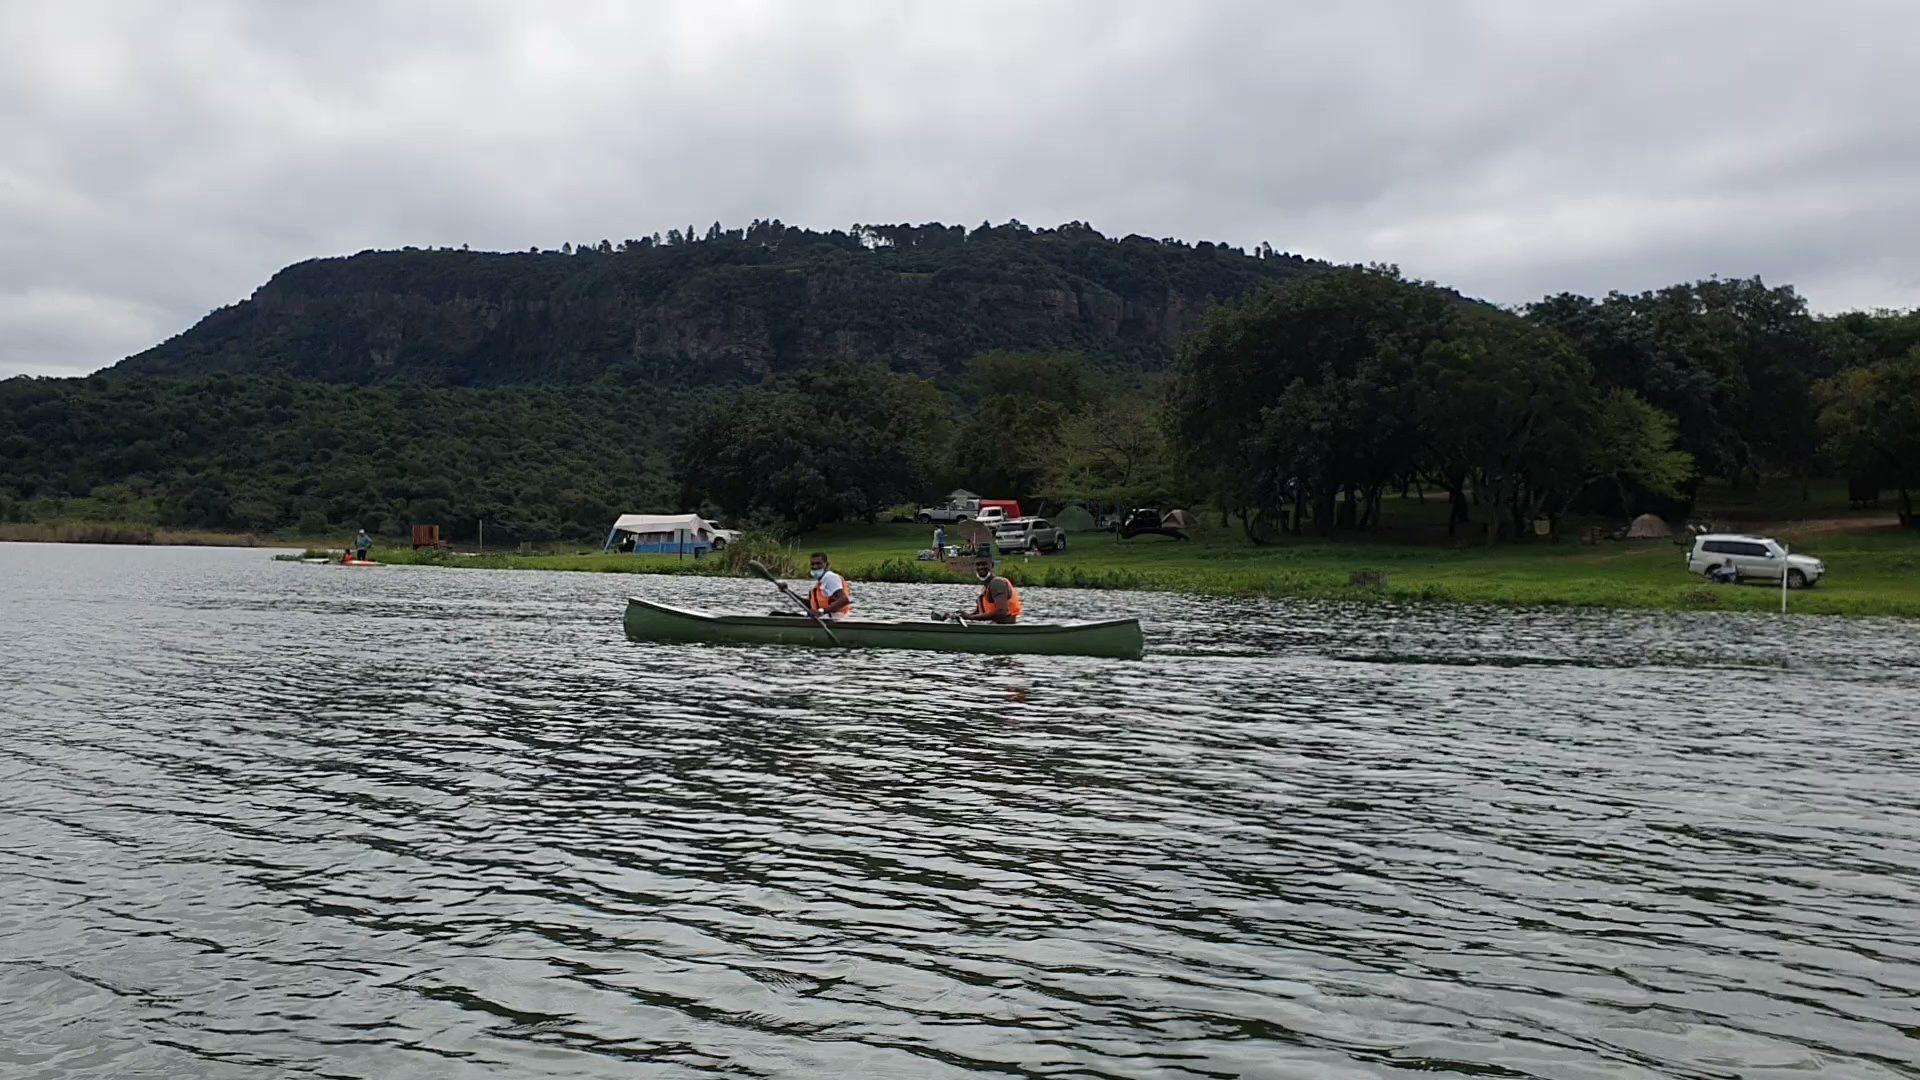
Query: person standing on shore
[363, 544]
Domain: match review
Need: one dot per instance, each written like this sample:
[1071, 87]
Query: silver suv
[1029, 534]
[1751, 558]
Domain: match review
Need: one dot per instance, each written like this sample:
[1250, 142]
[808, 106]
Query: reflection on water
[266, 820]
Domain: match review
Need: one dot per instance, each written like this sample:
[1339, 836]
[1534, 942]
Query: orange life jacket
[988, 609]
[818, 598]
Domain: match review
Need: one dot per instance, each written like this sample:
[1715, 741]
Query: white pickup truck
[948, 514]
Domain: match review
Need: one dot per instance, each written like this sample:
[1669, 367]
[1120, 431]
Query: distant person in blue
[939, 542]
[362, 544]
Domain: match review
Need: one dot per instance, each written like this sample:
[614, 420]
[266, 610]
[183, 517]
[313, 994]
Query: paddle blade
[759, 569]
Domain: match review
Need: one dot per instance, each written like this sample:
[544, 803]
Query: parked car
[723, 537]
[1751, 558]
[1029, 534]
[1147, 520]
[991, 516]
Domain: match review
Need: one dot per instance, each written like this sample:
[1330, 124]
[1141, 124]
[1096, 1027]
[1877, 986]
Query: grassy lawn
[1874, 566]
[1874, 569]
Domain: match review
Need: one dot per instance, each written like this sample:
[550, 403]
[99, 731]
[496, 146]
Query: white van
[1752, 558]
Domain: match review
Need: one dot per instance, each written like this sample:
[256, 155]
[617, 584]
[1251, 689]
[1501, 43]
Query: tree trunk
[1457, 512]
[1323, 510]
[1254, 535]
[1370, 508]
[1907, 516]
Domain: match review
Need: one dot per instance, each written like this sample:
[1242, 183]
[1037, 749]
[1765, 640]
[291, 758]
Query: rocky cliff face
[714, 311]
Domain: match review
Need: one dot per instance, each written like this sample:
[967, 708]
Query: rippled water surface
[265, 819]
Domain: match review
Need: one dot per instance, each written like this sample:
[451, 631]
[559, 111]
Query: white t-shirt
[831, 583]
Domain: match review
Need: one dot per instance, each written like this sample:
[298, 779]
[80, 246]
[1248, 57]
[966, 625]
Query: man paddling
[829, 598]
[999, 601]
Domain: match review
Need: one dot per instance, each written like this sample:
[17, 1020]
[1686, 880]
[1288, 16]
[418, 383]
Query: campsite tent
[671, 534]
[1074, 518]
[1648, 527]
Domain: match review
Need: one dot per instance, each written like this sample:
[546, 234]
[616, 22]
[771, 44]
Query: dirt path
[1830, 524]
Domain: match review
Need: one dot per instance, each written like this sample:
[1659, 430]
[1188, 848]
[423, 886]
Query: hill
[780, 375]
[741, 304]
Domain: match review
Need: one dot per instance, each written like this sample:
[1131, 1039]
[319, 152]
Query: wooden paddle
[760, 569]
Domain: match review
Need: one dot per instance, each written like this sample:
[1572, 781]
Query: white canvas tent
[1648, 527]
[672, 534]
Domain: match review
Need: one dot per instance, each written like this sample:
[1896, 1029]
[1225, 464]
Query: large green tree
[1870, 422]
[846, 443]
[1324, 391]
[1504, 411]
[1112, 451]
[1009, 441]
[1306, 392]
[1732, 360]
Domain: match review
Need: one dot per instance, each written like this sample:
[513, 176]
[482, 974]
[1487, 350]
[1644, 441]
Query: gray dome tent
[1074, 518]
[1648, 527]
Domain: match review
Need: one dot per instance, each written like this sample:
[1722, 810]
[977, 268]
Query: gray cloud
[159, 160]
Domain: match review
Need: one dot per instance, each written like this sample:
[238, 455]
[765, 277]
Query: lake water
[265, 819]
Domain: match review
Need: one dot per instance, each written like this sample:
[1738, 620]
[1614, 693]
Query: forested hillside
[259, 453]
[731, 305]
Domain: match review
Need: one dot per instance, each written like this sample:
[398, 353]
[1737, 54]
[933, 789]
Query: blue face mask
[818, 574]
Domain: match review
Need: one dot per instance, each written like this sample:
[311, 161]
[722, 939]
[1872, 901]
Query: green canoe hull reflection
[1118, 639]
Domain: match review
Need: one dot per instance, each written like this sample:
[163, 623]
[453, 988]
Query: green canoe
[1116, 638]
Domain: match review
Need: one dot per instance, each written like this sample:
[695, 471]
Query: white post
[1785, 551]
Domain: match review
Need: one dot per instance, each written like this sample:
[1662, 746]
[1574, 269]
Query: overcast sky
[158, 160]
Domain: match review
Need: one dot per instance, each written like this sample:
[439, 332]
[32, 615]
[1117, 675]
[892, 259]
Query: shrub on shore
[119, 532]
